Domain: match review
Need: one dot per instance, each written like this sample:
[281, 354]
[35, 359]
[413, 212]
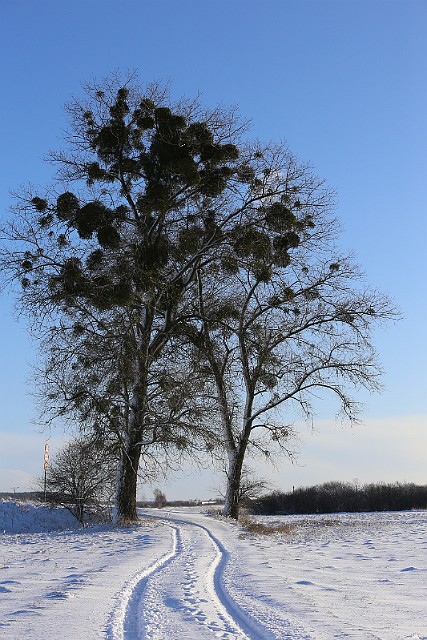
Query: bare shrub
[261, 529]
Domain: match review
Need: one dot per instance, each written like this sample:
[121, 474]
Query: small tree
[159, 499]
[80, 475]
[251, 487]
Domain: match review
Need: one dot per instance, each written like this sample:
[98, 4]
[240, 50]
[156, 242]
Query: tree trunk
[125, 506]
[80, 510]
[234, 474]
[127, 474]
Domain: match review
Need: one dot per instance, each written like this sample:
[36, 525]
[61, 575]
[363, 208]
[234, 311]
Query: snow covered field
[185, 575]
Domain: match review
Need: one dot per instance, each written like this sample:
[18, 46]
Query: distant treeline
[334, 497]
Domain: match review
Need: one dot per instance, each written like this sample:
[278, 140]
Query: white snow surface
[182, 574]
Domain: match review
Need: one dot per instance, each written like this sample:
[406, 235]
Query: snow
[32, 517]
[184, 574]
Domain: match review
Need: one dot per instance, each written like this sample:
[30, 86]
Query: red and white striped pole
[46, 465]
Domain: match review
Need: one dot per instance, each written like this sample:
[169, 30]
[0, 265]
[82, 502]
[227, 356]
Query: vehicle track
[237, 615]
[124, 622]
[184, 592]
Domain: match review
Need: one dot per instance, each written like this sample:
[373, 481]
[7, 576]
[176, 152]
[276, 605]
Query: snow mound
[33, 517]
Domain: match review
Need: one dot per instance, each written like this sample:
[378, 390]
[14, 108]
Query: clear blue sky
[343, 81]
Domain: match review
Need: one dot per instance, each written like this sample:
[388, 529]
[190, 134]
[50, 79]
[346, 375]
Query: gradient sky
[344, 82]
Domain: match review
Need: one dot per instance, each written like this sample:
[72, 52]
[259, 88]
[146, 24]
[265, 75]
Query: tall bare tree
[147, 193]
[293, 320]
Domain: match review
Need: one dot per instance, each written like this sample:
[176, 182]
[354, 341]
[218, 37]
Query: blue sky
[343, 81]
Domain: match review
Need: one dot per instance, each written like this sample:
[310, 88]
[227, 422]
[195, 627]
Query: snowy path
[183, 594]
[219, 583]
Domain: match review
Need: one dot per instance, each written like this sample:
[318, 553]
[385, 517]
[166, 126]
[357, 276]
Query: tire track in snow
[124, 623]
[236, 614]
[246, 628]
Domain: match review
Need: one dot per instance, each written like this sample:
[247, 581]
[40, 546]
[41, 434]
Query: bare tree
[159, 499]
[251, 486]
[282, 330]
[81, 475]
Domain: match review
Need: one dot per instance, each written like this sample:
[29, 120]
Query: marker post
[46, 465]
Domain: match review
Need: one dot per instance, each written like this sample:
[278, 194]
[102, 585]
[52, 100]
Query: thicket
[335, 497]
